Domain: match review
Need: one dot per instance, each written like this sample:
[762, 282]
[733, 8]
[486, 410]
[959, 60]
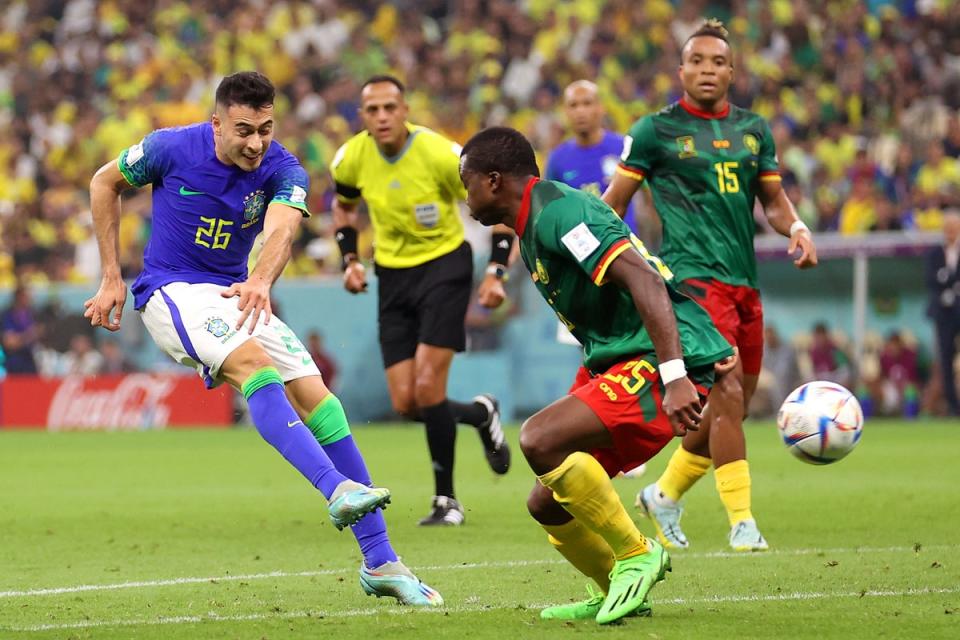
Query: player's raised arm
[620, 192]
[279, 229]
[632, 272]
[491, 293]
[105, 308]
[783, 218]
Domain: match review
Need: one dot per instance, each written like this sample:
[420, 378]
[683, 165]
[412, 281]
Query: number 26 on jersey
[212, 234]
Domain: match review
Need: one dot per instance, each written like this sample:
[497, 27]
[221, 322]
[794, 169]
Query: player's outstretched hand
[254, 294]
[355, 277]
[491, 293]
[681, 403]
[803, 241]
[105, 308]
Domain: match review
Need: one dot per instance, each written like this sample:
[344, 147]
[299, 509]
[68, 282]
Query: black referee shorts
[424, 304]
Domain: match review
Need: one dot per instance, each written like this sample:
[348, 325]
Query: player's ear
[215, 121]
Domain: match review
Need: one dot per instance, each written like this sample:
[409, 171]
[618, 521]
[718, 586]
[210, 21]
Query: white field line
[402, 611]
[146, 584]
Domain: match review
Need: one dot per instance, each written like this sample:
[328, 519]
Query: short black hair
[711, 27]
[501, 149]
[247, 88]
[384, 77]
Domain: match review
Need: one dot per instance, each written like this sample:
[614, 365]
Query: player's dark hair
[501, 149]
[247, 88]
[383, 77]
[712, 28]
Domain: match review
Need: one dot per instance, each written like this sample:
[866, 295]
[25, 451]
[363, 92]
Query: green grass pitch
[209, 534]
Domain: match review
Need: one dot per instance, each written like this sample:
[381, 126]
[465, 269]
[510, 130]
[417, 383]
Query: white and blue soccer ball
[820, 422]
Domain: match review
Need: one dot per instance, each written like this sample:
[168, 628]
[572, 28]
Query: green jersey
[568, 239]
[704, 172]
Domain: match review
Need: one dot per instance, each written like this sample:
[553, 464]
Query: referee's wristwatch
[499, 271]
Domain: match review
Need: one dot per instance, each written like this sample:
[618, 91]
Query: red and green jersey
[704, 172]
[568, 239]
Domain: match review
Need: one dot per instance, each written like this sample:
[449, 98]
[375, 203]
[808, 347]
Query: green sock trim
[328, 422]
[259, 379]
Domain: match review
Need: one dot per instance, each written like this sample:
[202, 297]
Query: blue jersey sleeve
[551, 173]
[149, 160]
[290, 185]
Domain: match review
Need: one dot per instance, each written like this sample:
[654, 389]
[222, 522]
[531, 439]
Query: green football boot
[586, 609]
[631, 581]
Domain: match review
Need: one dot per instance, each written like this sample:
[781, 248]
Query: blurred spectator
[885, 216]
[943, 284]
[859, 211]
[779, 376]
[114, 359]
[780, 359]
[828, 360]
[20, 333]
[856, 93]
[82, 359]
[900, 376]
[322, 358]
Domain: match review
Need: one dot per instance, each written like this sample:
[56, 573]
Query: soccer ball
[820, 422]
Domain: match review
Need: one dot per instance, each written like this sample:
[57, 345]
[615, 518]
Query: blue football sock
[371, 531]
[280, 425]
[329, 424]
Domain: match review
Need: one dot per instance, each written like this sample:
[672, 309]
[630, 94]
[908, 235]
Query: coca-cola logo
[137, 402]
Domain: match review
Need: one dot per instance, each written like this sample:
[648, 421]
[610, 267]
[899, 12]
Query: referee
[409, 177]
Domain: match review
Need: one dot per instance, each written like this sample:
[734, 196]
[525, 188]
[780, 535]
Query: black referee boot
[495, 446]
[447, 512]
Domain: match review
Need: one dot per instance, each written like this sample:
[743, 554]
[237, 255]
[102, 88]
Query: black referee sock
[441, 440]
[472, 413]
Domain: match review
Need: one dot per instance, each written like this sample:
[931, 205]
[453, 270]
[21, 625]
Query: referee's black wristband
[500, 246]
[347, 241]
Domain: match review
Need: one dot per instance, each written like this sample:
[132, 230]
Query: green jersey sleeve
[586, 232]
[767, 160]
[639, 147]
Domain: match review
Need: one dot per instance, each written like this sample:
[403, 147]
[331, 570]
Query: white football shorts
[195, 326]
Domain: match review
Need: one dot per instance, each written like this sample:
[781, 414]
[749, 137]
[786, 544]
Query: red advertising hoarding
[114, 402]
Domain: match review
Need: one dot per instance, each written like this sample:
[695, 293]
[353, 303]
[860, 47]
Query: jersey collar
[525, 207]
[692, 110]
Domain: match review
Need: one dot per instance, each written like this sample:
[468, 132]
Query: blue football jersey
[589, 169]
[206, 214]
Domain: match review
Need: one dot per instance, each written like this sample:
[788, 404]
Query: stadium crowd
[863, 97]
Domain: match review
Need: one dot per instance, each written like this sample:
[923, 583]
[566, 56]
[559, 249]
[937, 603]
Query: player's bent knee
[427, 391]
[328, 421]
[544, 508]
[534, 439]
[244, 362]
[729, 391]
[405, 406]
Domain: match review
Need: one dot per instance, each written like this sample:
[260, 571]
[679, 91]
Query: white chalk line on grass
[146, 584]
[400, 611]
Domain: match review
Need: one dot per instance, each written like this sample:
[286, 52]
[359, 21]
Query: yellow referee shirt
[412, 196]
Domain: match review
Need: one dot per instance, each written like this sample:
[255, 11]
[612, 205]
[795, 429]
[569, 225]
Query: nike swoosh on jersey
[294, 423]
[187, 192]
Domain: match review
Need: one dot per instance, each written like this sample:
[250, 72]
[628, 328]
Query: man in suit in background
[943, 282]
